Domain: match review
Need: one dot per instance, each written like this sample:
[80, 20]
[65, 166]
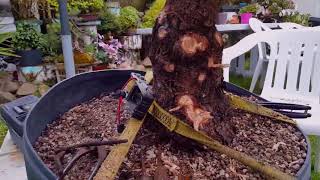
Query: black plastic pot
[72, 92]
[30, 57]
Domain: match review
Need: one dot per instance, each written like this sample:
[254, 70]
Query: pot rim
[36, 160]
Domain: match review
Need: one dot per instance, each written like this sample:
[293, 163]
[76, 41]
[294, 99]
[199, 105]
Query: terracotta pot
[100, 67]
[245, 17]
[88, 17]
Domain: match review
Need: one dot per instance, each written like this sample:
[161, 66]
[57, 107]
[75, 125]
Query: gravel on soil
[277, 144]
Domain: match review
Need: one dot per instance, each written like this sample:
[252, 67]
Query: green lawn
[3, 130]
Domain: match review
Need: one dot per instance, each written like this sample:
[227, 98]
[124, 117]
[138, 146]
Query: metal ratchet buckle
[142, 96]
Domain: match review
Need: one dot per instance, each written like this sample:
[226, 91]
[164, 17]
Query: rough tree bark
[186, 54]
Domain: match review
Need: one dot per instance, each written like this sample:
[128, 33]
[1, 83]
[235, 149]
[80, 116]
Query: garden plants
[28, 43]
[76, 7]
[151, 15]
[247, 12]
[109, 22]
[186, 55]
[129, 18]
[5, 49]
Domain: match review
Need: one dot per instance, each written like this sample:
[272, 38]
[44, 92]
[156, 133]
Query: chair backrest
[290, 26]
[257, 26]
[294, 63]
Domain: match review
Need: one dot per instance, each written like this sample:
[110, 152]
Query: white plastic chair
[258, 26]
[293, 70]
[294, 66]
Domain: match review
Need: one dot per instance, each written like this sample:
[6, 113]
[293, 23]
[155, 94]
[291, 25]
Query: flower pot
[100, 67]
[30, 57]
[88, 17]
[77, 90]
[245, 17]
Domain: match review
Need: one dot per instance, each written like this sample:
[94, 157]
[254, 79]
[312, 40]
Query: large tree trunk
[186, 54]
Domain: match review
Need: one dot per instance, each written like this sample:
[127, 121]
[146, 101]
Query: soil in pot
[277, 144]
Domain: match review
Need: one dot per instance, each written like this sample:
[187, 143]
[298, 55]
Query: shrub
[151, 15]
[51, 42]
[298, 18]
[252, 8]
[129, 18]
[80, 6]
[109, 22]
[276, 6]
[26, 37]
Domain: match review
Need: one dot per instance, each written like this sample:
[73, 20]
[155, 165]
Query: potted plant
[109, 53]
[272, 9]
[248, 12]
[296, 17]
[109, 22]
[87, 10]
[27, 42]
[129, 19]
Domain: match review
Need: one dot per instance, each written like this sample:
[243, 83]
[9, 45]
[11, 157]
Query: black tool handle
[273, 105]
[294, 115]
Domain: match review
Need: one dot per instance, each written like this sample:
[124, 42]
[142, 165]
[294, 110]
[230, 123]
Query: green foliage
[252, 8]
[26, 37]
[54, 27]
[80, 6]
[151, 15]
[5, 50]
[129, 18]
[276, 6]
[91, 49]
[102, 57]
[298, 18]
[3, 130]
[109, 22]
[51, 43]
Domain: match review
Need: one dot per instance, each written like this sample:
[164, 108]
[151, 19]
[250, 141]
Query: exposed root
[173, 168]
[212, 63]
[194, 113]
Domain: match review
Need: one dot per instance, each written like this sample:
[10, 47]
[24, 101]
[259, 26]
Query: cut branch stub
[191, 43]
[218, 39]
